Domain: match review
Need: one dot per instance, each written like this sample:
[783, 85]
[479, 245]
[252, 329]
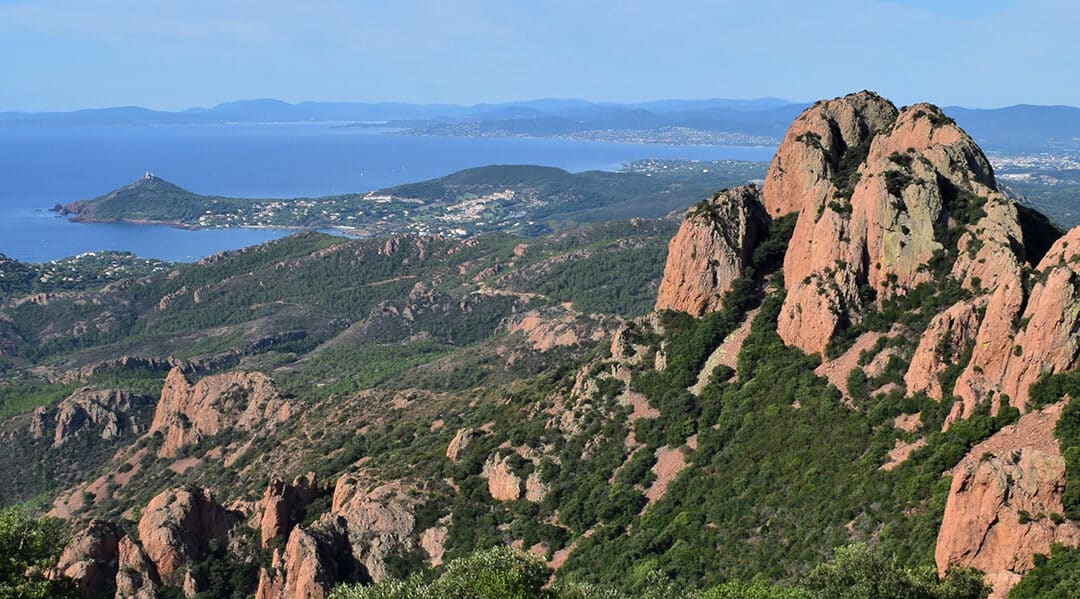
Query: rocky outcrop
[711, 249]
[379, 521]
[874, 228]
[238, 400]
[461, 441]
[816, 143]
[549, 329]
[949, 335]
[283, 506]
[503, 484]
[112, 412]
[137, 577]
[365, 527]
[90, 558]
[1027, 335]
[178, 527]
[433, 542]
[1005, 503]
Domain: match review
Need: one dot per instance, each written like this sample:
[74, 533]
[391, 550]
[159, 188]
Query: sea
[43, 166]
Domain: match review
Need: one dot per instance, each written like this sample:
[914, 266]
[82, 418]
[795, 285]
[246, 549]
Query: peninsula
[520, 199]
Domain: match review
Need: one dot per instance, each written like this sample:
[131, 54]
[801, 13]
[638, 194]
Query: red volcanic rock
[380, 522]
[997, 516]
[1024, 336]
[188, 412]
[283, 506]
[90, 558]
[711, 249]
[460, 443]
[86, 408]
[948, 336]
[877, 243]
[177, 527]
[137, 576]
[503, 484]
[308, 572]
[812, 148]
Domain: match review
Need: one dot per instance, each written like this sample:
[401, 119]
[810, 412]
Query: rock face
[90, 558]
[997, 516]
[283, 506]
[187, 412]
[352, 543]
[177, 528]
[503, 483]
[137, 576]
[114, 412]
[379, 522]
[1026, 335]
[711, 249]
[871, 230]
[308, 567]
[460, 443]
[814, 145]
[948, 336]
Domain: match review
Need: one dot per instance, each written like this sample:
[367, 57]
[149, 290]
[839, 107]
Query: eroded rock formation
[711, 249]
[177, 528]
[283, 506]
[883, 221]
[113, 412]
[1005, 502]
[1026, 335]
[90, 558]
[188, 412]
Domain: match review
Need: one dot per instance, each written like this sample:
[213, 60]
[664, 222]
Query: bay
[43, 166]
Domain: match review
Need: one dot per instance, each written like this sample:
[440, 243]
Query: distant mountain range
[759, 121]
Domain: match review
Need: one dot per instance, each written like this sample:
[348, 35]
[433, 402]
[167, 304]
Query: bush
[28, 547]
[498, 573]
[859, 572]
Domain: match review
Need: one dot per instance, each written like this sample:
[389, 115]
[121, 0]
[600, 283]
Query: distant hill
[761, 121]
[522, 199]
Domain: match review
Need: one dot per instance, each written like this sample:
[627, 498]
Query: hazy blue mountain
[1021, 128]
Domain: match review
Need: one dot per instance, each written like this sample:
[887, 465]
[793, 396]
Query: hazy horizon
[64, 55]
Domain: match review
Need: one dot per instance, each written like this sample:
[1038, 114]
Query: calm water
[40, 167]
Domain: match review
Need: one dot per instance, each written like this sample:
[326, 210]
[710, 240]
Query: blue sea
[43, 166]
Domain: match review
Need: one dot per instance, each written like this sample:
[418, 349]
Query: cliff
[711, 249]
[1005, 503]
[189, 412]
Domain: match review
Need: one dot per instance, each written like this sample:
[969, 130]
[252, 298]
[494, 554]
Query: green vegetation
[1054, 577]
[847, 175]
[619, 281]
[855, 572]
[86, 271]
[896, 182]
[22, 397]
[29, 546]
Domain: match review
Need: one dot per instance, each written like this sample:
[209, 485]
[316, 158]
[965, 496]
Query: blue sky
[66, 54]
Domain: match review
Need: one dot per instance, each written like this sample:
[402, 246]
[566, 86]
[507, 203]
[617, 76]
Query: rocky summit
[859, 372]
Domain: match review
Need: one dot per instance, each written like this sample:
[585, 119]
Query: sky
[70, 54]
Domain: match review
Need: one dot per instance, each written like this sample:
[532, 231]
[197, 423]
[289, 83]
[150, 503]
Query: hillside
[518, 199]
[851, 381]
